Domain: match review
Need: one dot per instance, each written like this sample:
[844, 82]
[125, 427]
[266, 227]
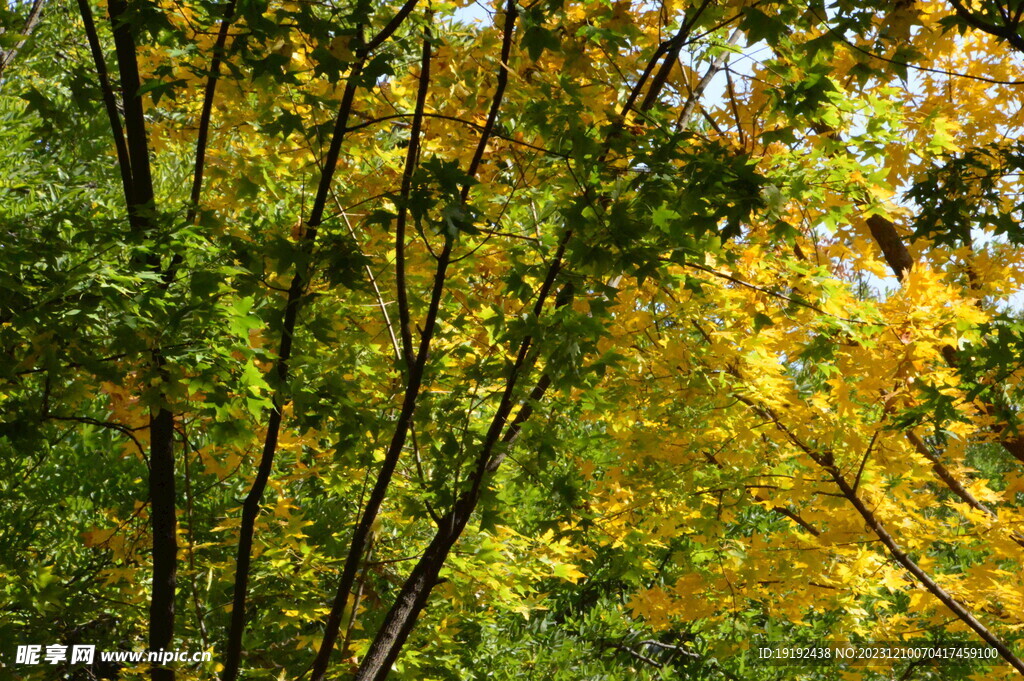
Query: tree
[342, 334]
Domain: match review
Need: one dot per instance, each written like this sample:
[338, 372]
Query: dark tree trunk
[165, 546]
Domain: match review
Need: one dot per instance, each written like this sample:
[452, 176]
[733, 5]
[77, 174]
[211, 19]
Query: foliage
[583, 340]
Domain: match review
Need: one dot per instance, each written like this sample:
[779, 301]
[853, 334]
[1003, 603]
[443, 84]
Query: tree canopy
[553, 339]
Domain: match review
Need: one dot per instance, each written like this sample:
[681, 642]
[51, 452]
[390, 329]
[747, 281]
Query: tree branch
[826, 461]
[251, 506]
[34, 15]
[411, 160]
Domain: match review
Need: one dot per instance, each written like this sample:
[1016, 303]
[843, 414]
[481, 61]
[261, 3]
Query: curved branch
[411, 160]
[1007, 33]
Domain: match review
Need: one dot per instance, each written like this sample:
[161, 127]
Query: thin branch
[511, 14]
[1007, 33]
[916, 67]
[754, 287]
[953, 484]
[825, 459]
[672, 55]
[124, 430]
[867, 455]
[462, 121]
[373, 284]
[34, 15]
[251, 505]
[202, 137]
[109, 103]
[411, 160]
[639, 656]
[716, 65]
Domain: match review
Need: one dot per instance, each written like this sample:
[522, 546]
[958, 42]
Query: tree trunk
[165, 545]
